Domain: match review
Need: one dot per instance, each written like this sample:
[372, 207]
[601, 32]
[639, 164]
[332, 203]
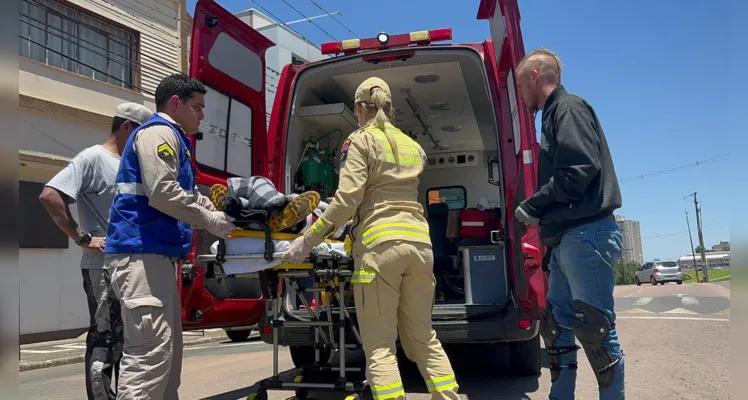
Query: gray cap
[133, 112]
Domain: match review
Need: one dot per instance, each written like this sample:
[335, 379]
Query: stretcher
[331, 275]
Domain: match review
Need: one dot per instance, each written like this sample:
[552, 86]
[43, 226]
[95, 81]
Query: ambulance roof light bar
[384, 41]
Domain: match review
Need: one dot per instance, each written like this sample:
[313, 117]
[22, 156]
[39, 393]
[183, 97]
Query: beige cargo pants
[151, 363]
[394, 291]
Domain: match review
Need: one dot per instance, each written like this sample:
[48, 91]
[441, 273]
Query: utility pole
[693, 251]
[701, 238]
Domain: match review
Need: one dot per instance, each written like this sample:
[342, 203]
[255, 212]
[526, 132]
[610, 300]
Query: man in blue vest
[155, 208]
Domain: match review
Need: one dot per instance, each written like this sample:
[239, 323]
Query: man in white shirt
[89, 181]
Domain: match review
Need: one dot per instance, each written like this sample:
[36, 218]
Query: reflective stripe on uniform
[384, 392]
[318, 226]
[395, 229]
[408, 151]
[135, 189]
[363, 277]
[441, 384]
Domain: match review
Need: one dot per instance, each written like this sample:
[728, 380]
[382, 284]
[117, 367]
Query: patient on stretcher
[255, 199]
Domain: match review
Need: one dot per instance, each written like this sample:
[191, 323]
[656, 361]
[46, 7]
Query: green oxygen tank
[327, 171]
[311, 167]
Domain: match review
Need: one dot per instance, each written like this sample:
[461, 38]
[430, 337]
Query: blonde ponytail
[385, 114]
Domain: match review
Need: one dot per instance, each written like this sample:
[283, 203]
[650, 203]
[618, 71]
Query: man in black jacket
[574, 203]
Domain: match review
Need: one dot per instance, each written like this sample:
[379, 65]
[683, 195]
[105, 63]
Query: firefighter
[393, 281]
[155, 208]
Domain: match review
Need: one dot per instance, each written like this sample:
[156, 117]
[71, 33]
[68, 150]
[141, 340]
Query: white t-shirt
[89, 181]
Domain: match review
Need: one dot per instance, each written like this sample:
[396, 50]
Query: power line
[676, 169]
[714, 225]
[333, 17]
[307, 18]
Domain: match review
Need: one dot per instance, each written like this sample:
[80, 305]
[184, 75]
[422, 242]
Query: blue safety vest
[134, 226]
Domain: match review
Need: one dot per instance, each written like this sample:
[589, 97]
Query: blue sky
[653, 70]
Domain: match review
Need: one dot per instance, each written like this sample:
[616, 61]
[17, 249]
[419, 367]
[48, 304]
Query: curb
[32, 365]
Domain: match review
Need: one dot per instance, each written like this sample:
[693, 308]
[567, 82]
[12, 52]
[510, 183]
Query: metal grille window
[69, 39]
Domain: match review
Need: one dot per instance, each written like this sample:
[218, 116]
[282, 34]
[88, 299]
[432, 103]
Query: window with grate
[66, 38]
[296, 60]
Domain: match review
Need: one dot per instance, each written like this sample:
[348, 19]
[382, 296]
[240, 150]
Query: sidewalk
[71, 351]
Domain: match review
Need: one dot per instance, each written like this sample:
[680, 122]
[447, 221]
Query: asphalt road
[675, 338]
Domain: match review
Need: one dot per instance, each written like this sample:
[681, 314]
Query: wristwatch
[85, 238]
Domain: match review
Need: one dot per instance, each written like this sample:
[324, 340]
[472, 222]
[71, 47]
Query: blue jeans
[581, 268]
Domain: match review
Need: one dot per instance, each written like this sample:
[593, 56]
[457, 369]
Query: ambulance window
[236, 61]
[225, 139]
[454, 196]
[512, 91]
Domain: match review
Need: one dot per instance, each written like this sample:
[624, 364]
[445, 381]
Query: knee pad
[550, 331]
[591, 327]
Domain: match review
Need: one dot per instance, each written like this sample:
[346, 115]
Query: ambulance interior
[443, 100]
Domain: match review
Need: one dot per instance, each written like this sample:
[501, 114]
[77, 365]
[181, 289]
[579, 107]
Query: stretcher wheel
[261, 394]
[302, 394]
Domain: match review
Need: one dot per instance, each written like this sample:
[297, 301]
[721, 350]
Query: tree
[697, 250]
[624, 272]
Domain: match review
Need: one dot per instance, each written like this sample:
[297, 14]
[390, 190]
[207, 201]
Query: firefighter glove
[221, 224]
[298, 251]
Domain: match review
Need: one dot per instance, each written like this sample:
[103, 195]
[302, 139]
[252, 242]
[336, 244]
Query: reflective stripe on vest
[384, 392]
[375, 232]
[441, 384]
[135, 226]
[135, 189]
[363, 277]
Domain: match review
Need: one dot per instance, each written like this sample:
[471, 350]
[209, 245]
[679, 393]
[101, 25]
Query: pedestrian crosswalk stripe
[689, 301]
[637, 311]
[643, 301]
[679, 311]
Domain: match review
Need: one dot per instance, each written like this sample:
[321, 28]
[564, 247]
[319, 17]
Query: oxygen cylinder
[311, 167]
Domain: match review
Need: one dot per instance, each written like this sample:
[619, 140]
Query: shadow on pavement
[482, 371]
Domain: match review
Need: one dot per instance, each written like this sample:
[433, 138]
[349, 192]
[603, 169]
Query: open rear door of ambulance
[228, 57]
[518, 148]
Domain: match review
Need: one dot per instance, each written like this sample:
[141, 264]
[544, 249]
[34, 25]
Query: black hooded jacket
[576, 178]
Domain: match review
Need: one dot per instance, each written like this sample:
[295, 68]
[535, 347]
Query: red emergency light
[385, 41]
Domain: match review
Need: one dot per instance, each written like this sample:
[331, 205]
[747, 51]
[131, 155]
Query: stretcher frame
[335, 271]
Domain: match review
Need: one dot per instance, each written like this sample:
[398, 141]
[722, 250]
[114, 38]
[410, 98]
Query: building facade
[632, 240]
[79, 59]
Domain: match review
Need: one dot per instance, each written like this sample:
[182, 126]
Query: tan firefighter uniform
[394, 280]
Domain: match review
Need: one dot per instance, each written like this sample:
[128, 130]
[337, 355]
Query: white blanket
[256, 246]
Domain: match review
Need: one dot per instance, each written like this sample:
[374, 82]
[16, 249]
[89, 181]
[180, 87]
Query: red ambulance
[459, 101]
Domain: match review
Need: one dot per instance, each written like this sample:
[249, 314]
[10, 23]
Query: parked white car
[659, 272]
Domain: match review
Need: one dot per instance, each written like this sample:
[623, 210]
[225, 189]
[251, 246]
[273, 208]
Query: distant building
[723, 246]
[632, 240]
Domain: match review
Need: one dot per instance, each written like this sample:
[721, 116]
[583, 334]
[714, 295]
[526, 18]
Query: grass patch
[713, 274]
